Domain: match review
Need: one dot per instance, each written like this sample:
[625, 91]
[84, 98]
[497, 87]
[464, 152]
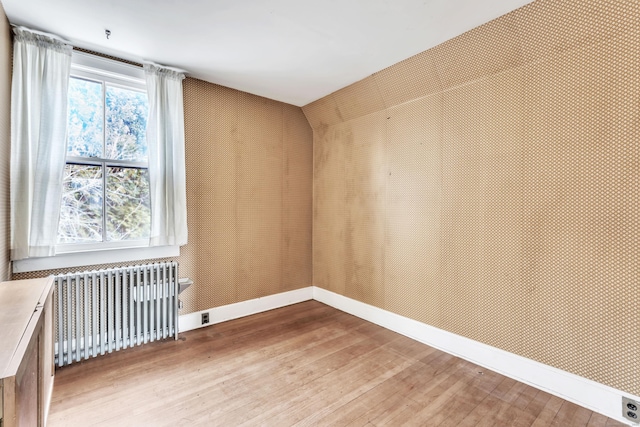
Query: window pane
[126, 116]
[81, 213]
[128, 211]
[84, 112]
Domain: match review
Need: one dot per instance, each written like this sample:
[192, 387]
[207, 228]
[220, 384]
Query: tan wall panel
[482, 208]
[296, 199]
[359, 99]
[329, 209]
[5, 143]
[222, 221]
[536, 208]
[322, 113]
[196, 129]
[348, 237]
[412, 78]
[412, 227]
[481, 52]
[211, 131]
[365, 205]
[259, 180]
[582, 210]
[462, 258]
[548, 28]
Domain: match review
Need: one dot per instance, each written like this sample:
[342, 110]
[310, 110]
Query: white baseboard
[191, 321]
[582, 391]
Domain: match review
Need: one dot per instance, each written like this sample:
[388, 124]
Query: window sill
[84, 259]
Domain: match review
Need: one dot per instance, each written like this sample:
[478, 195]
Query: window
[105, 200]
[105, 210]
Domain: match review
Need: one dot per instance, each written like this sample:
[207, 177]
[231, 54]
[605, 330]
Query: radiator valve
[183, 284]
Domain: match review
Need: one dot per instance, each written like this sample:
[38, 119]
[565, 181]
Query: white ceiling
[294, 51]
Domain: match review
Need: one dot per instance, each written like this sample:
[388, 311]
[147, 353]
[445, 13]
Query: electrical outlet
[631, 410]
[205, 318]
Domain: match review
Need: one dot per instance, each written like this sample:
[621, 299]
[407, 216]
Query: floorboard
[304, 365]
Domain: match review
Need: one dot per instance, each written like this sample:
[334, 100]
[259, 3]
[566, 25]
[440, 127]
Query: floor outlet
[205, 318]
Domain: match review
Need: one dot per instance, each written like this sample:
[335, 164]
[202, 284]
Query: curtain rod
[53, 36]
[42, 33]
[177, 70]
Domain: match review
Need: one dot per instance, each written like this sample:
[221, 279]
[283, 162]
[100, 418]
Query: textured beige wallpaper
[5, 142]
[249, 172]
[490, 187]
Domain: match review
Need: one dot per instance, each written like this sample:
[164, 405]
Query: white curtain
[41, 67]
[165, 139]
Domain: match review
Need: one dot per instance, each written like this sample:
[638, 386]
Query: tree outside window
[106, 182]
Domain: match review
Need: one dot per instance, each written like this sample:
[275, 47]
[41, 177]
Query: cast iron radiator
[102, 311]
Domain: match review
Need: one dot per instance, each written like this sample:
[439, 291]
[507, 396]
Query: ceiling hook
[107, 33]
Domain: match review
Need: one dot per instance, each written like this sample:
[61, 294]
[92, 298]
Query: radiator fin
[103, 311]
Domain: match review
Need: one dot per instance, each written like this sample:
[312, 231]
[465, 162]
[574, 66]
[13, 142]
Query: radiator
[103, 311]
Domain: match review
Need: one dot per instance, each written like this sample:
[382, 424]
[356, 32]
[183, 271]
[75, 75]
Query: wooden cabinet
[26, 352]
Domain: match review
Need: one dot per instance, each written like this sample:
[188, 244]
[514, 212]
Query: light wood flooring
[307, 365]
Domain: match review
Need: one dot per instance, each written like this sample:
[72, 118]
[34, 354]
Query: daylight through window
[105, 201]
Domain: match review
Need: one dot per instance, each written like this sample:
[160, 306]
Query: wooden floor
[308, 365]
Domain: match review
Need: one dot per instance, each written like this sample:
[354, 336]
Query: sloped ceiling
[288, 50]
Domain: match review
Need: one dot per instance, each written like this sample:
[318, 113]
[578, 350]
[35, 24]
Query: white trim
[70, 248]
[582, 391]
[83, 259]
[86, 65]
[190, 321]
[579, 390]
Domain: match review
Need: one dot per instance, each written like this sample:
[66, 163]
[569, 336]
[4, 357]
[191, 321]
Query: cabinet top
[21, 303]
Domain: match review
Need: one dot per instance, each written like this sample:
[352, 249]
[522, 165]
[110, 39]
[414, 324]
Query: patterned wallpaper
[490, 187]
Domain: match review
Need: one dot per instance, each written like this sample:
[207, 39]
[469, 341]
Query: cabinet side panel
[47, 366]
[27, 399]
